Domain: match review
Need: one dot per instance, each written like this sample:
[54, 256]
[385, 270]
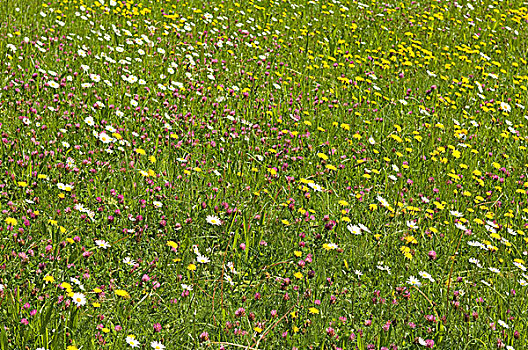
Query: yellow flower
[258, 329]
[322, 156]
[72, 347]
[297, 253]
[11, 221]
[96, 305]
[313, 310]
[22, 184]
[298, 275]
[122, 293]
[66, 285]
[140, 151]
[172, 244]
[49, 279]
[191, 267]
[106, 330]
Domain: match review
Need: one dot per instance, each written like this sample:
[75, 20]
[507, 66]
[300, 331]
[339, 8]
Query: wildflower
[229, 279]
[102, 244]
[202, 259]
[105, 138]
[383, 201]
[355, 230]
[413, 281]
[122, 293]
[49, 279]
[456, 213]
[503, 324]
[132, 341]
[315, 187]
[11, 221]
[475, 261]
[79, 299]
[412, 225]
[213, 220]
[157, 345]
[505, 107]
[53, 84]
[364, 228]
[128, 261]
[329, 246]
[425, 275]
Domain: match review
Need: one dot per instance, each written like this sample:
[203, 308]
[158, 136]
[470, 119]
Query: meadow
[263, 174]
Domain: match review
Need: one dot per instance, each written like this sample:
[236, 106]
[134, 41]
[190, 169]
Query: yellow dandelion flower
[49, 279]
[322, 156]
[11, 221]
[172, 244]
[122, 293]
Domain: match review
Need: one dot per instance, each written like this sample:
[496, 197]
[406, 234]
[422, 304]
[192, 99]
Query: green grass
[263, 175]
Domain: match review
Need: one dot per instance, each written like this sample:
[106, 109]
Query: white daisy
[425, 275]
[202, 259]
[503, 324]
[355, 230]
[132, 341]
[102, 244]
[157, 345]
[79, 299]
[456, 213]
[129, 261]
[315, 187]
[413, 281]
[412, 225]
[213, 220]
